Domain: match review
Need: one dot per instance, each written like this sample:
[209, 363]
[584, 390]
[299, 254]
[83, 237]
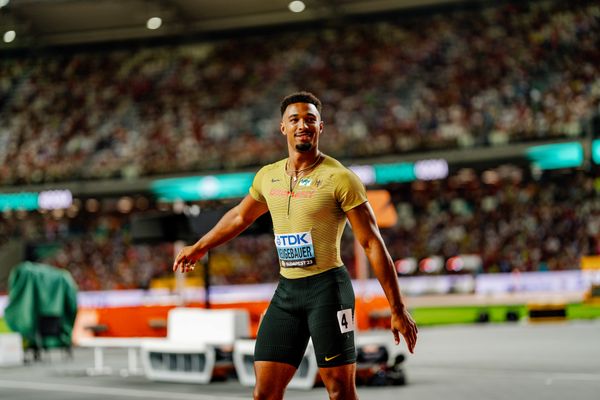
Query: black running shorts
[320, 307]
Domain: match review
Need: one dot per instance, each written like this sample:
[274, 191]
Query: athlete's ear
[282, 128]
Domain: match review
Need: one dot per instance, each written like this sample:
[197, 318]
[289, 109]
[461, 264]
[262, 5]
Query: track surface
[476, 362]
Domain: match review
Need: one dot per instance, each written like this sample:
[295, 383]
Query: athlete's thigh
[331, 320]
[282, 335]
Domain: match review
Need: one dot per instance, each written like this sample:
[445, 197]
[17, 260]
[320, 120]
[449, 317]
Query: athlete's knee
[271, 380]
[340, 382]
[343, 392]
[341, 388]
[267, 392]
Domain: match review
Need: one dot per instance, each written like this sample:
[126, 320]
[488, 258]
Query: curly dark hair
[300, 97]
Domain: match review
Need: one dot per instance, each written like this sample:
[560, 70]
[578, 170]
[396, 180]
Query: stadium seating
[475, 78]
[503, 74]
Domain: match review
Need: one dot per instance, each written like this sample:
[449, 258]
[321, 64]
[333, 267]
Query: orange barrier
[150, 321]
[373, 312]
[147, 321]
[133, 321]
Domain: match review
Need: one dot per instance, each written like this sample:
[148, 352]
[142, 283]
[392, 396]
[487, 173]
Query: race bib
[295, 250]
[346, 320]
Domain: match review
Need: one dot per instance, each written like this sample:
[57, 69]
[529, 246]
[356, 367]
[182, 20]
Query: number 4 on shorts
[346, 320]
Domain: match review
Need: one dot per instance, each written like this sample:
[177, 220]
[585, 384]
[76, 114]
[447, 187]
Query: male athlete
[310, 195]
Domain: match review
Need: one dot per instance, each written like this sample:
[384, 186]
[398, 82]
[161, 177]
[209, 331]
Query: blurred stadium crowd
[514, 223]
[471, 79]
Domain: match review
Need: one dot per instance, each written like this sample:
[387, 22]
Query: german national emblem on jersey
[305, 182]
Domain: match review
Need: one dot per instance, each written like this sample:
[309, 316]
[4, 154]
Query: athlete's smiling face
[301, 124]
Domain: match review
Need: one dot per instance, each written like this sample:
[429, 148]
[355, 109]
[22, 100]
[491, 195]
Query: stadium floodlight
[9, 36]
[394, 173]
[211, 187]
[296, 6]
[556, 155]
[154, 23]
[55, 199]
[431, 265]
[596, 151]
[406, 266]
[465, 262]
[366, 173]
[428, 170]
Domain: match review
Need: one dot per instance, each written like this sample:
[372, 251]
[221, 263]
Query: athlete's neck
[299, 161]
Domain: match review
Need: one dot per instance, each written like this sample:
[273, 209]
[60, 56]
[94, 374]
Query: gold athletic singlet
[308, 221]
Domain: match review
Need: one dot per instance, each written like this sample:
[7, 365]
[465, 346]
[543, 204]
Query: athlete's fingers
[181, 264]
[411, 337]
[185, 265]
[179, 261]
[189, 266]
[396, 336]
[410, 343]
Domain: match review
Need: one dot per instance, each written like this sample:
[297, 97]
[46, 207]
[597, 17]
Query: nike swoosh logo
[327, 359]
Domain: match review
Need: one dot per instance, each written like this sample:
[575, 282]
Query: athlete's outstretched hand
[403, 324]
[187, 258]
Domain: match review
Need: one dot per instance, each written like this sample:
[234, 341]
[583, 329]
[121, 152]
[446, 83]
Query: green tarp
[42, 304]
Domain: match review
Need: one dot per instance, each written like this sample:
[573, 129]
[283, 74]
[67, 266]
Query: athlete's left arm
[366, 231]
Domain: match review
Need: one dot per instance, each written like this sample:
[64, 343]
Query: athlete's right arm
[234, 222]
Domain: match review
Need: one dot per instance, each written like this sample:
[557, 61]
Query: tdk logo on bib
[295, 249]
[293, 240]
